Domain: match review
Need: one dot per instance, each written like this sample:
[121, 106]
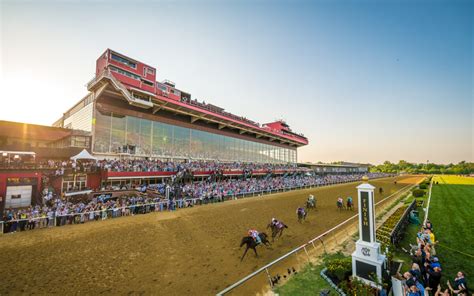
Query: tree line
[462, 168]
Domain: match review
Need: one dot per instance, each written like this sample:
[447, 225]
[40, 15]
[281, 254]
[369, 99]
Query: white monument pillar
[367, 261]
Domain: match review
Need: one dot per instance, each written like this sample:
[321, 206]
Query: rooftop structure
[128, 112]
[41, 141]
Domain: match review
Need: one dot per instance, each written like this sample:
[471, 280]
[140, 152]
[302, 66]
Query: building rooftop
[12, 129]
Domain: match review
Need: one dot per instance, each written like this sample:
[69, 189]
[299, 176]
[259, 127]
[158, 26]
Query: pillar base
[367, 263]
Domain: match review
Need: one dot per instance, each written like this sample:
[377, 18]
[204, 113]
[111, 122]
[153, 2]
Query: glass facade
[117, 133]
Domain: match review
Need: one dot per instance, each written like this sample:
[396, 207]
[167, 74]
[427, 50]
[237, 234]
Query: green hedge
[423, 186]
[418, 193]
[338, 267]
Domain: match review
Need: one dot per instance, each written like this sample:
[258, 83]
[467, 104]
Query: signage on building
[365, 216]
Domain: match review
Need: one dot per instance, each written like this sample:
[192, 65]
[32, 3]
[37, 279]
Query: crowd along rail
[179, 202]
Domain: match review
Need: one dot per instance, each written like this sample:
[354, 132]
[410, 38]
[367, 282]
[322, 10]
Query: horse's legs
[255, 250]
[245, 252]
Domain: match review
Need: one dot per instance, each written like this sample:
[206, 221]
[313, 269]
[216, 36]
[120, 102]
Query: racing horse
[252, 244]
[277, 229]
[381, 190]
[349, 204]
[311, 203]
[301, 212]
[340, 204]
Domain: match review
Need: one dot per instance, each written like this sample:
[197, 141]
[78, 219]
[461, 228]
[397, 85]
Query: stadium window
[162, 87]
[126, 73]
[147, 82]
[124, 61]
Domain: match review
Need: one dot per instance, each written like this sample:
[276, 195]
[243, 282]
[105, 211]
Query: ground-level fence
[307, 247]
[429, 200]
[55, 219]
[397, 231]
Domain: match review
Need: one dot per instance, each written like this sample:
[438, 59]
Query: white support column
[367, 261]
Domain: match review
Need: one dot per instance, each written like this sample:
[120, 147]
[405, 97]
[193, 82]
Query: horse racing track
[192, 251]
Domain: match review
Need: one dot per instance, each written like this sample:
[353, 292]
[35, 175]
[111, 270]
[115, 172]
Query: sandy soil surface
[192, 251]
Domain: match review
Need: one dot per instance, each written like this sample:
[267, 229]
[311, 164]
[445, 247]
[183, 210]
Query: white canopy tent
[84, 154]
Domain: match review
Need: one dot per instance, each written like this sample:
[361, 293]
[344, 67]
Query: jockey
[300, 210]
[255, 235]
[277, 223]
[274, 222]
[340, 200]
[312, 200]
[349, 200]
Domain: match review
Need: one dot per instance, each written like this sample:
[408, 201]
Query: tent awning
[84, 154]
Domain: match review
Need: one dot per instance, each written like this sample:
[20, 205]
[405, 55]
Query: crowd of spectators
[170, 166]
[58, 211]
[232, 187]
[424, 277]
[150, 165]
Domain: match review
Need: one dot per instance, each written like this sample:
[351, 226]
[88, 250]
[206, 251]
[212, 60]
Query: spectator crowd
[58, 211]
[424, 277]
[151, 165]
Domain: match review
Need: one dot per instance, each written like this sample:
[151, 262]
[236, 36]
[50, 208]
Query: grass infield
[451, 212]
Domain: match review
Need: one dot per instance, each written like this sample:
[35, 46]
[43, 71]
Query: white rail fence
[429, 200]
[304, 247]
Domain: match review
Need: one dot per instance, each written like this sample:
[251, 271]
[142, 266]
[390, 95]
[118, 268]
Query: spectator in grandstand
[460, 285]
[416, 272]
[412, 287]
[432, 240]
[429, 225]
[415, 289]
[58, 212]
[409, 279]
[434, 279]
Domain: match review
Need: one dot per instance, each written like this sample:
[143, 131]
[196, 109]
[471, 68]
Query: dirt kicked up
[192, 251]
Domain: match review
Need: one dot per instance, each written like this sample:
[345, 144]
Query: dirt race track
[192, 251]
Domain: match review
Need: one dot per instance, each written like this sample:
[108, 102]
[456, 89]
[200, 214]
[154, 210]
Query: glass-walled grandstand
[115, 133]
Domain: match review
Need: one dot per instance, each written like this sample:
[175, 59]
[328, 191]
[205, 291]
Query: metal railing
[303, 247]
[395, 234]
[429, 200]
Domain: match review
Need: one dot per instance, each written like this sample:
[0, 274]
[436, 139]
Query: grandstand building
[130, 114]
[339, 168]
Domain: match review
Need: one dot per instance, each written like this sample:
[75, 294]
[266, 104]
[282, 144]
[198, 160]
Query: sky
[365, 81]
